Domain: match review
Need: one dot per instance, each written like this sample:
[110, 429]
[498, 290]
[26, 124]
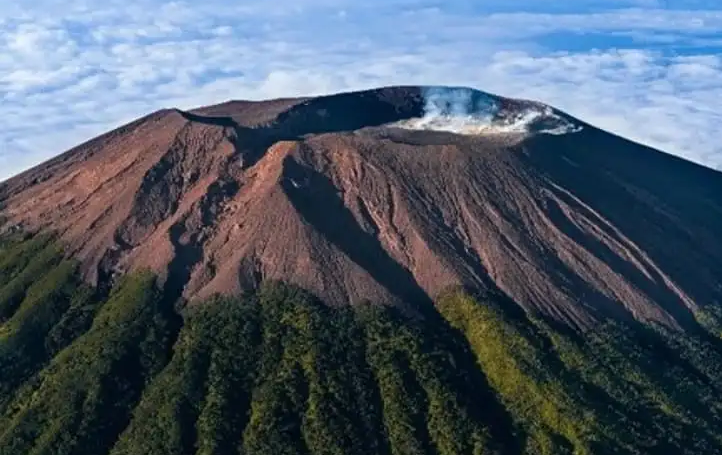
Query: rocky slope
[354, 198]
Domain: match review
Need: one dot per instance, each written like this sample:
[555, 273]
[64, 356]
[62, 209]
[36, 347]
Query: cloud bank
[637, 68]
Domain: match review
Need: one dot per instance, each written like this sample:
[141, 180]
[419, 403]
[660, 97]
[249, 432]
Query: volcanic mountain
[388, 195]
[401, 271]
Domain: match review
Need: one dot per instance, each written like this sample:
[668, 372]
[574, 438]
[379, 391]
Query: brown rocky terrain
[323, 193]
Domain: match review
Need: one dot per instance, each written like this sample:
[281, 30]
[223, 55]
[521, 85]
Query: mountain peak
[461, 110]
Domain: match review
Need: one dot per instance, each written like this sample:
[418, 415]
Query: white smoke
[472, 112]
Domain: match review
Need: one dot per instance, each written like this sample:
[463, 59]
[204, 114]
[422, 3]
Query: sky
[649, 70]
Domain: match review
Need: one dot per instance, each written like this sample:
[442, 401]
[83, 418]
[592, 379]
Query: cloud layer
[74, 70]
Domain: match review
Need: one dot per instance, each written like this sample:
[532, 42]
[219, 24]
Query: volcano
[406, 270]
[388, 195]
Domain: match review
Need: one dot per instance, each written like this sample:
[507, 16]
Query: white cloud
[70, 72]
[666, 102]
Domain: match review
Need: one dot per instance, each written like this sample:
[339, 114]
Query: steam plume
[463, 110]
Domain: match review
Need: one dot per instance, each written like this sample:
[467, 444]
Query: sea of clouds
[648, 70]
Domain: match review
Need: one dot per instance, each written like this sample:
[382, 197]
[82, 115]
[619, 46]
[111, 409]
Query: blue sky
[650, 70]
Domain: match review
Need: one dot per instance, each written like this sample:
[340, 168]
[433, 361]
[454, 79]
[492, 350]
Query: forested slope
[278, 372]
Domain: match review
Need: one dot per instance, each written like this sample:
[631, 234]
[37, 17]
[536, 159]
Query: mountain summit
[388, 195]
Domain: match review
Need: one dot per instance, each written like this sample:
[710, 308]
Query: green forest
[278, 372]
